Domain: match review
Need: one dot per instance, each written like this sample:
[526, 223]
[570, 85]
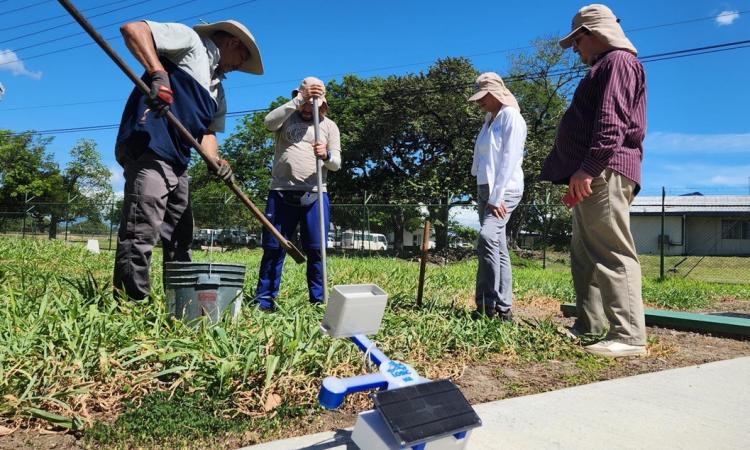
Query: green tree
[85, 188]
[408, 140]
[27, 170]
[542, 81]
[249, 149]
[86, 177]
[25, 167]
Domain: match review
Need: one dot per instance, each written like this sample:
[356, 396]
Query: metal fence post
[26, 212]
[111, 221]
[67, 217]
[661, 237]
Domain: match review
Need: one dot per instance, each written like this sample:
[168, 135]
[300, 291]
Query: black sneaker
[266, 307]
[506, 316]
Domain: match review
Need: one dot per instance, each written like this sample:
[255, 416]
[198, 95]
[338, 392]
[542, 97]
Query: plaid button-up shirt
[605, 125]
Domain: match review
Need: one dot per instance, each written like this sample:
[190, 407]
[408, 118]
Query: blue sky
[698, 118]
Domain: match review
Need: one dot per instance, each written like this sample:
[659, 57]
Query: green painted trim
[678, 320]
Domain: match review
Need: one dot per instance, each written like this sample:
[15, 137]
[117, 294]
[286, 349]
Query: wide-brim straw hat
[491, 83]
[602, 23]
[310, 81]
[254, 63]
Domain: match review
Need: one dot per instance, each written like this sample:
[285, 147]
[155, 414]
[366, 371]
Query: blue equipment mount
[418, 413]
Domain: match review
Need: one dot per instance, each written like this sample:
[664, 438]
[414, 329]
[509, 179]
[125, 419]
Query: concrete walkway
[697, 407]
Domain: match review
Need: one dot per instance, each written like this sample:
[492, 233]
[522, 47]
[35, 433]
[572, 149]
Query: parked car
[237, 238]
[205, 236]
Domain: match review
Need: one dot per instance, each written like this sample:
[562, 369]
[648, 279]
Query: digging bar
[184, 133]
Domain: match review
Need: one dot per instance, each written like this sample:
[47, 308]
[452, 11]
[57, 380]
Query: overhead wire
[683, 22]
[519, 77]
[60, 16]
[71, 23]
[119, 22]
[33, 5]
[506, 50]
[116, 37]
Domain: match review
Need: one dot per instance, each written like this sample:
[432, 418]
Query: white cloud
[117, 179]
[727, 17]
[10, 62]
[697, 143]
[466, 216]
[709, 178]
[738, 178]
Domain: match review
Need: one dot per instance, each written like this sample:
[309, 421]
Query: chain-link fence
[703, 238]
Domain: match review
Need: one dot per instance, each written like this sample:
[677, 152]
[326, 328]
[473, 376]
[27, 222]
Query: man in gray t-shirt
[293, 197]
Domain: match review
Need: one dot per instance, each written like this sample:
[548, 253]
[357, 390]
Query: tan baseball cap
[602, 23]
[491, 83]
[254, 63]
[305, 85]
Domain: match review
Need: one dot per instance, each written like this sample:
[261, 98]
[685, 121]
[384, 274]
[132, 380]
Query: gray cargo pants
[156, 204]
[494, 276]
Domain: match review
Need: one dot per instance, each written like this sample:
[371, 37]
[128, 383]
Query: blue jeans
[285, 211]
[494, 275]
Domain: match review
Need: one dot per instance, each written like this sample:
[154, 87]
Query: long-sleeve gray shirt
[294, 159]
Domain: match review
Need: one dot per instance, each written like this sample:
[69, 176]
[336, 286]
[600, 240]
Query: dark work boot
[504, 316]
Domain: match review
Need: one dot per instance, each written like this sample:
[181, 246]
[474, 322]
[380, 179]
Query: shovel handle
[184, 133]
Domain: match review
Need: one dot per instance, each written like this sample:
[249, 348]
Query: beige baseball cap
[602, 23]
[254, 63]
[490, 82]
[305, 85]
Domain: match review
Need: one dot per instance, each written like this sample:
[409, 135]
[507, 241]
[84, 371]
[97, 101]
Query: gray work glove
[161, 95]
[225, 170]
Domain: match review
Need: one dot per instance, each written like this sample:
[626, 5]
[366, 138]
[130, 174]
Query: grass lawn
[127, 374]
[712, 269]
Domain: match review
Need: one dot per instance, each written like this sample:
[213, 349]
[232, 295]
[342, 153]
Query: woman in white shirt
[498, 155]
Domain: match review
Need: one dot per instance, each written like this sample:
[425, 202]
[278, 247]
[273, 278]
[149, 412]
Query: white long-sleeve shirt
[498, 154]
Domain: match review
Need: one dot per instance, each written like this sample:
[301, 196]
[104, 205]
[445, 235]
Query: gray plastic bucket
[194, 290]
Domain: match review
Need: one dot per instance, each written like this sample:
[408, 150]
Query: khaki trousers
[605, 267]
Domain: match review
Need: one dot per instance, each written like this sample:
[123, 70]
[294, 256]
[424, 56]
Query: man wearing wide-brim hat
[184, 69]
[597, 153]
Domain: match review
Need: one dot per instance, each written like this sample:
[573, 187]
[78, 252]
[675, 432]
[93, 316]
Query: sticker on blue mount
[399, 374]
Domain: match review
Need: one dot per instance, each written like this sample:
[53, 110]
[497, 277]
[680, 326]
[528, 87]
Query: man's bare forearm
[140, 42]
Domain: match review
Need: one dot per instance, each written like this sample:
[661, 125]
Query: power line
[114, 126]
[111, 38]
[119, 22]
[682, 22]
[33, 5]
[61, 105]
[491, 52]
[645, 59]
[529, 76]
[60, 16]
[70, 23]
